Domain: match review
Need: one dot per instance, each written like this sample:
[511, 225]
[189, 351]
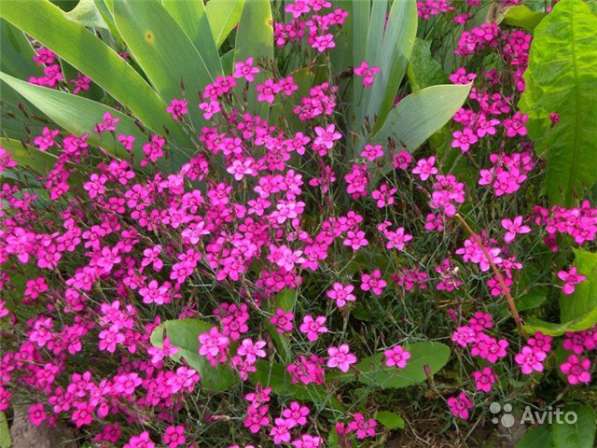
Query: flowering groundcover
[306, 223]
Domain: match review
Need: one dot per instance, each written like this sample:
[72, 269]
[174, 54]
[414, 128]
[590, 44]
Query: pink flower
[361, 426]
[425, 168]
[312, 328]
[367, 73]
[178, 108]
[460, 405]
[174, 436]
[530, 360]
[514, 226]
[402, 160]
[245, 69]
[516, 125]
[577, 370]
[282, 320]
[372, 152]
[464, 139]
[295, 415]
[251, 350]
[287, 85]
[127, 141]
[396, 357]
[141, 441]
[326, 136]
[210, 108]
[214, 346]
[47, 139]
[267, 91]
[341, 358]
[341, 294]
[36, 414]
[355, 239]
[571, 278]
[108, 123]
[484, 379]
[373, 282]
[324, 42]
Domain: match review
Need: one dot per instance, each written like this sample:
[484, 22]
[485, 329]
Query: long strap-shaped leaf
[80, 48]
[76, 114]
[223, 16]
[192, 18]
[398, 41]
[164, 51]
[38, 161]
[255, 37]
[420, 115]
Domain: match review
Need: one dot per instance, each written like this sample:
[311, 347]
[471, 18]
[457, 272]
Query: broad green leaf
[88, 54]
[419, 116]
[523, 17]
[583, 300]
[531, 300]
[87, 14]
[561, 78]
[191, 17]
[392, 58]
[30, 157]
[389, 419]
[183, 334]
[423, 70]
[581, 434]
[528, 301]
[276, 377]
[373, 372]
[165, 53]
[5, 440]
[76, 114]
[533, 325]
[255, 37]
[223, 16]
[536, 437]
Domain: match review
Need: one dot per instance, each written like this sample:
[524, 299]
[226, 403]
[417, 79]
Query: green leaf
[87, 14]
[583, 301]
[276, 377]
[183, 334]
[536, 437]
[532, 299]
[223, 17]
[27, 156]
[419, 116]
[423, 70]
[165, 53]
[255, 37]
[390, 420]
[373, 372]
[88, 54]
[5, 440]
[533, 325]
[392, 58]
[17, 53]
[191, 17]
[76, 114]
[561, 78]
[522, 16]
[578, 435]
